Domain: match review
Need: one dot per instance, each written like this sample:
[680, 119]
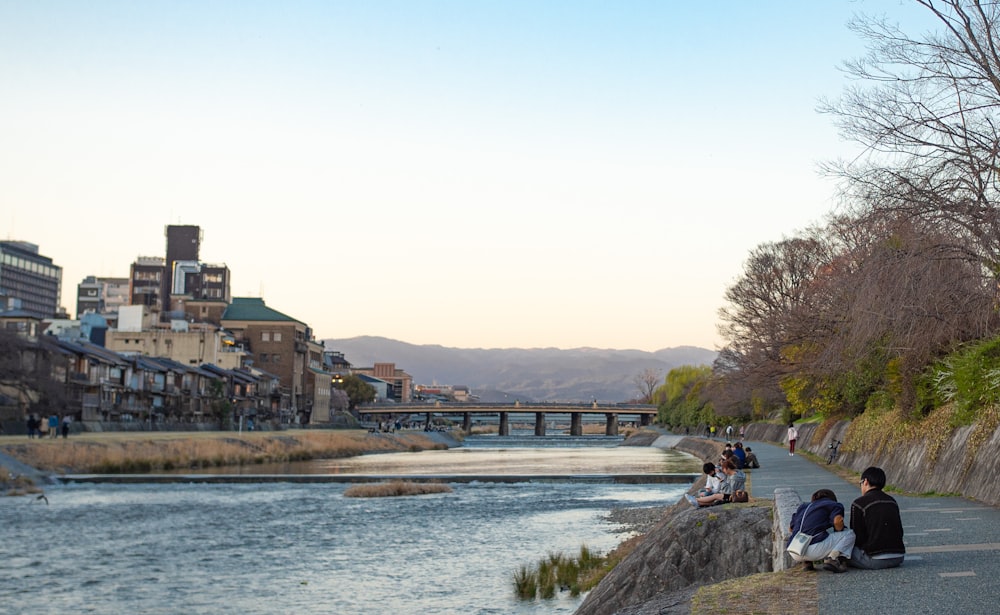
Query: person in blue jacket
[823, 519]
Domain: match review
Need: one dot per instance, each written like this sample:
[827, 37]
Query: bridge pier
[467, 422]
[539, 423]
[611, 428]
[575, 424]
[427, 420]
[645, 420]
[504, 424]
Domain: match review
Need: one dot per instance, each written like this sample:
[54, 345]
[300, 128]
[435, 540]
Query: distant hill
[529, 374]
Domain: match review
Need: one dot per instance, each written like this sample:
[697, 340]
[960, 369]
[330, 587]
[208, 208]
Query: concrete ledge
[786, 502]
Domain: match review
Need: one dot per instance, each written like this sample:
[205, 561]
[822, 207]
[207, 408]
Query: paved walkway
[952, 546]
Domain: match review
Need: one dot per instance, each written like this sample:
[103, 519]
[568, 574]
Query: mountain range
[527, 374]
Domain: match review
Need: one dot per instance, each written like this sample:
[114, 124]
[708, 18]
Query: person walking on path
[876, 524]
[53, 426]
[793, 435]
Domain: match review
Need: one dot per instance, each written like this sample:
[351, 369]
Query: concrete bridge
[643, 413]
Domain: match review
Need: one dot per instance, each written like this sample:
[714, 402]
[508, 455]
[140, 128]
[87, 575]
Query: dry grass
[768, 593]
[393, 489]
[146, 452]
[16, 485]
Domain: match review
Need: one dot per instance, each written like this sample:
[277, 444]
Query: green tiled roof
[253, 309]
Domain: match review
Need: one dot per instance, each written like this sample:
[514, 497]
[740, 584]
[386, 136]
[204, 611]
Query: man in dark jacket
[876, 524]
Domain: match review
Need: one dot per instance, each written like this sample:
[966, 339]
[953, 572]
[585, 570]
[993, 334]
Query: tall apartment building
[145, 282]
[167, 285]
[101, 295]
[30, 278]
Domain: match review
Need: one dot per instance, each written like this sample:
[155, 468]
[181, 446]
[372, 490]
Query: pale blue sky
[471, 174]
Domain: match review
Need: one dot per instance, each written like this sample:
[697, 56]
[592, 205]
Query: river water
[304, 548]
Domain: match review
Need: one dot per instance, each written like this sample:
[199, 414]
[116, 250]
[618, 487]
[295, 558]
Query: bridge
[643, 413]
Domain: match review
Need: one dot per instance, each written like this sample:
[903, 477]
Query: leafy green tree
[358, 391]
[682, 399]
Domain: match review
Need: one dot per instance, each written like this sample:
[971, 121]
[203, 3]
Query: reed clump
[394, 488]
[16, 485]
[141, 453]
[558, 573]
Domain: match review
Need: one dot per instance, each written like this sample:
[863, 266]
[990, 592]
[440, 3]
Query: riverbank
[945, 553]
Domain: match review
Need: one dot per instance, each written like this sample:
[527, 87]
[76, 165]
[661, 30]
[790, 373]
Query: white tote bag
[800, 541]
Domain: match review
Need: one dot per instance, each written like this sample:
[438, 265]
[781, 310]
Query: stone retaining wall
[911, 469]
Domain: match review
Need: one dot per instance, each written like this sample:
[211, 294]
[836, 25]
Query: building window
[276, 358]
[265, 336]
[277, 336]
[263, 357]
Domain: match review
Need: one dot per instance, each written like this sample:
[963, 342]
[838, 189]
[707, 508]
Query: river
[305, 548]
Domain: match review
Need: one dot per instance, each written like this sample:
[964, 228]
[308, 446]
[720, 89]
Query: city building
[167, 285]
[145, 278]
[400, 383]
[30, 278]
[139, 333]
[279, 344]
[101, 295]
[318, 382]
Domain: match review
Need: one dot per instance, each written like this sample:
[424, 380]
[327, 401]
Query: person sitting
[823, 519]
[712, 480]
[877, 525]
[751, 460]
[739, 456]
[733, 480]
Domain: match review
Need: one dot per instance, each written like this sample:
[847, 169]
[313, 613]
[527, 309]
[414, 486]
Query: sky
[474, 174]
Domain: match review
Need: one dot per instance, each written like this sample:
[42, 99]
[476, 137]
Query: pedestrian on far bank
[793, 435]
[65, 426]
[743, 432]
[876, 524]
[53, 426]
[729, 433]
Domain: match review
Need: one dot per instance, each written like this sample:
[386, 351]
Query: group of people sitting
[744, 458]
[874, 539]
[725, 480]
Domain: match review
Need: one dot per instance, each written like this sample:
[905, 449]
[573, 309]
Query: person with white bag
[818, 533]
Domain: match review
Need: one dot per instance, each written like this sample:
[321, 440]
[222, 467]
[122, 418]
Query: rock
[689, 548]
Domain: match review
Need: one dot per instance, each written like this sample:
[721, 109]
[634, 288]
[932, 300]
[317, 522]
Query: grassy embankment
[150, 452]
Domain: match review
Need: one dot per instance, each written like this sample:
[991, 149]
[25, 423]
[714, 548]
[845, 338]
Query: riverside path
[952, 560]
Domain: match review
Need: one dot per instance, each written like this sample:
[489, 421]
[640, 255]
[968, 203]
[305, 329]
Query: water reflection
[479, 460]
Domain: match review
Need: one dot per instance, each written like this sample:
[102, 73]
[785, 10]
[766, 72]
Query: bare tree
[767, 313]
[925, 111]
[646, 382]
